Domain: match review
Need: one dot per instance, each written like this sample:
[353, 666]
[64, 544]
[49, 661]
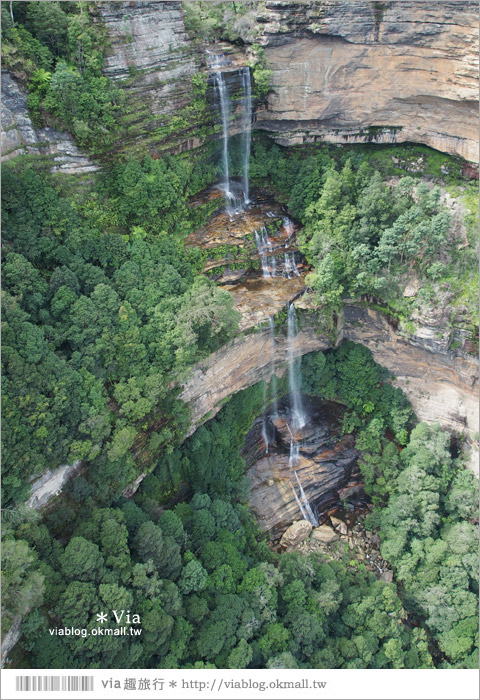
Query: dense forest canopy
[104, 314]
[210, 592]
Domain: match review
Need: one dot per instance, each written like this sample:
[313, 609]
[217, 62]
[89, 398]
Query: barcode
[29, 683]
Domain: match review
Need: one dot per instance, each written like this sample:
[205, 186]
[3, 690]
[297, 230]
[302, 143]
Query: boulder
[339, 525]
[296, 533]
[325, 534]
[412, 288]
[387, 576]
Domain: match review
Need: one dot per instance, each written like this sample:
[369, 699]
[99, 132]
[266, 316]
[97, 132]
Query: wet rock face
[325, 464]
[350, 72]
[240, 364]
[20, 137]
[261, 276]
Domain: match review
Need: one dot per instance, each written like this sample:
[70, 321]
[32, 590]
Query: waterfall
[288, 266]
[216, 61]
[264, 245]
[299, 503]
[294, 373]
[311, 516]
[288, 225]
[247, 132]
[291, 266]
[222, 92]
[294, 453]
[273, 380]
[264, 416]
[274, 266]
[294, 266]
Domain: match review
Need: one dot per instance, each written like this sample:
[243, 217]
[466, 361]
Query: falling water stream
[299, 418]
[273, 380]
[311, 516]
[233, 205]
[269, 269]
[264, 246]
[247, 131]
[222, 92]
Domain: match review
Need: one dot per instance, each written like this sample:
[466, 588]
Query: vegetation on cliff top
[59, 51]
[371, 234]
[103, 310]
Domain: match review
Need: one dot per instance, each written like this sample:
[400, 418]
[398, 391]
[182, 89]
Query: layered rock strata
[281, 487]
[390, 72]
[19, 137]
[343, 72]
[153, 60]
[51, 483]
[238, 365]
[441, 384]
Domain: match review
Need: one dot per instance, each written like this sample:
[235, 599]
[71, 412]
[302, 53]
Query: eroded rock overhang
[441, 384]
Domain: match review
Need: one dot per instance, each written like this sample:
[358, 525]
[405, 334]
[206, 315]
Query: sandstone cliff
[442, 385]
[19, 137]
[349, 72]
[343, 72]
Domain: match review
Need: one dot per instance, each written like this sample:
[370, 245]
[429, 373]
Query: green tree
[82, 560]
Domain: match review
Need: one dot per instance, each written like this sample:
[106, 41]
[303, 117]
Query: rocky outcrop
[286, 487]
[238, 365]
[296, 533]
[11, 637]
[441, 384]
[152, 59]
[19, 137]
[390, 72]
[51, 483]
[343, 72]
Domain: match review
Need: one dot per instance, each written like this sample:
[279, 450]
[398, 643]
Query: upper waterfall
[294, 369]
[247, 132]
[222, 92]
[233, 199]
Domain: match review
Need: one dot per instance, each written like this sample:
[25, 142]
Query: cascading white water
[311, 516]
[273, 265]
[293, 461]
[288, 225]
[290, 266]
[247, 131]
[222, 92]
[299, 504]
[265, 245]
[264, 417]
[294, 266]
[294, 453]
[273, 380]
[294, 373]
[217, 61]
